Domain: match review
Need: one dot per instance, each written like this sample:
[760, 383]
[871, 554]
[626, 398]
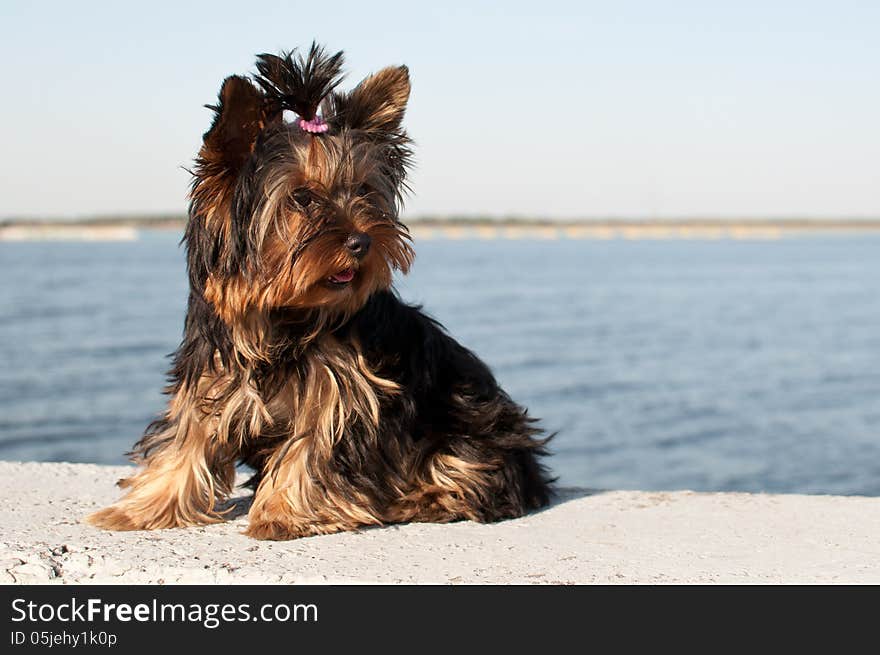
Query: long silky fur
[299, 83]
[352, 407]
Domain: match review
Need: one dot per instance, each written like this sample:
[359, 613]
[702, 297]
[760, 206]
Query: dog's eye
[364, 190]
[303, 197]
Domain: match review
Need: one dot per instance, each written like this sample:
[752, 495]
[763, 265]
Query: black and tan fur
[353, 407]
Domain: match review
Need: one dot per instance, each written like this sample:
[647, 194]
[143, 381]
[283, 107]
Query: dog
[298, 358]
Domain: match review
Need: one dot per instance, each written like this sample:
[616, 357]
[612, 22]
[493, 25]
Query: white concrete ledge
[586, 537]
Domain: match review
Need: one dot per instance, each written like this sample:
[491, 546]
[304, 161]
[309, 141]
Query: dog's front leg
[292, 501]
[186, 471]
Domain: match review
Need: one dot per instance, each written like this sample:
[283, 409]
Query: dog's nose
[358, 244]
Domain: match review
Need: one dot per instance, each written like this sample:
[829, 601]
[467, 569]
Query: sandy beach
[586, 537]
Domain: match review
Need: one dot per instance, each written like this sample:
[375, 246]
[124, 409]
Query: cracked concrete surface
[585, 537]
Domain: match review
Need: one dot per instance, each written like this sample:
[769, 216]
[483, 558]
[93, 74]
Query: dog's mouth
[342, 278]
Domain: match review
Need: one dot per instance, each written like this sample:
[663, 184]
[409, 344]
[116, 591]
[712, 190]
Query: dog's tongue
[344, 276]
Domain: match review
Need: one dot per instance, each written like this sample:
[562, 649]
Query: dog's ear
[377, 104]
[240, 115]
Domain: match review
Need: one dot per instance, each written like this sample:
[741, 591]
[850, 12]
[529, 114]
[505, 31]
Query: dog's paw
[130, 516]
[276, 531]
[113, 518]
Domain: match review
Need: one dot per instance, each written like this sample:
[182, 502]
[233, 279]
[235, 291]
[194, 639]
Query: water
[706, 365]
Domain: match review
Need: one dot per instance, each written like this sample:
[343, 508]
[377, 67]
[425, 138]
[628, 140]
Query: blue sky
[560, 109]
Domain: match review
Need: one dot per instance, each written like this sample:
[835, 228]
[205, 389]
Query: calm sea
[705, 365]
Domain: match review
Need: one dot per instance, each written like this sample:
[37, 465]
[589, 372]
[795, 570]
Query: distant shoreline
[127, 228]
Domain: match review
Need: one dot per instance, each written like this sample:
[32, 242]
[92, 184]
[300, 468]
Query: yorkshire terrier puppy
[298, 358]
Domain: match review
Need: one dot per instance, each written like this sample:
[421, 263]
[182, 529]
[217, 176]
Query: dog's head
[297, 189]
